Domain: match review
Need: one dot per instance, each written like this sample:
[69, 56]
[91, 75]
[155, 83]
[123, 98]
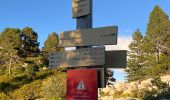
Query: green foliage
[30, 46]
[20, 57]
[30, 33]
[9, 42]
[160, 94]
[3, 96]
[158, 83]
[157, 41]
[136, 58]
[55, 86]
[10, 39]
[31, 72]
[149, 56]
[28, 91]
[52, 43]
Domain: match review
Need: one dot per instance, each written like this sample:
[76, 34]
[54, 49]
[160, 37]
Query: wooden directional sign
[116, 59]
[80, 8]
[77, 58]
[87, 37]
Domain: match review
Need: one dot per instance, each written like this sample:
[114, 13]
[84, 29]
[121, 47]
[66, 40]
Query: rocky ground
[123, 91]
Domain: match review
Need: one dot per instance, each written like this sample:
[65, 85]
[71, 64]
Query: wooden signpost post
[82, 83]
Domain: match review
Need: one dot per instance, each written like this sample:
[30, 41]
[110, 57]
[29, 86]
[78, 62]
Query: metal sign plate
[86, 37]
[116, 59]
[80, 8]
[82, 84]
[77, 58]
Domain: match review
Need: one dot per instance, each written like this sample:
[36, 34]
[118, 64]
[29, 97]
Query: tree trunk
[9, 69]
[10, 64]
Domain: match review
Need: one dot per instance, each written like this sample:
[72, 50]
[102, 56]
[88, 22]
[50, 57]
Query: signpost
[80, 8]
[88, 37]
[77, 58]
[82, 84]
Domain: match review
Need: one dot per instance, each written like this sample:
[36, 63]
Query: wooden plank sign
[80, 8]
[88, 37]
[77, 58]
[116, 59]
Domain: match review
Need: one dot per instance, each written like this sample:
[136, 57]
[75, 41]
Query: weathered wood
[89, 37]
[77, 58]
[81, 8]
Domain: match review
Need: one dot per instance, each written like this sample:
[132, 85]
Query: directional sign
[82, 84]
[80, 8]
[116, 59]
[77, 58]
[86, 37]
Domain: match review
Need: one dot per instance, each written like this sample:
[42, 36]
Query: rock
[129, 88]
[112, 92]
[127, 92]
[106, 90]
[166, 79]
[106, 98]
[121, 87]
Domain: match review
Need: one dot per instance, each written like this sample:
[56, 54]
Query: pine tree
[158, 40]
[30, 46]
[52, 43]
[9, 43]
[136, 58]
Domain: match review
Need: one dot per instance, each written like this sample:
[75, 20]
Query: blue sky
[47, 16]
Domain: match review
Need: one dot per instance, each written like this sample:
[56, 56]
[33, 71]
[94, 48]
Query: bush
[18, 70]
[3, 96]
[5, 78]
[31, 72]
[54, 87]
[28, 91]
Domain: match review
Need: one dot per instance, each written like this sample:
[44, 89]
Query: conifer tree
[9, 42]
[157, 42]
[30, 46]
[136, 58]
[52, 43]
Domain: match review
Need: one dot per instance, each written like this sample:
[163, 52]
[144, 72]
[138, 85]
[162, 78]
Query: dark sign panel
[77, 58]
[89, 37]
[82, 84]
[116, 59]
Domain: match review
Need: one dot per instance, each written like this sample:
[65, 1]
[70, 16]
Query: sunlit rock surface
[125, 89]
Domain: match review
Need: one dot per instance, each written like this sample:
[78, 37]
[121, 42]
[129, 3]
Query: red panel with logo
[82, 84]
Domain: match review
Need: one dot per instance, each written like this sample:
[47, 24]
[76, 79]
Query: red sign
[82, 84]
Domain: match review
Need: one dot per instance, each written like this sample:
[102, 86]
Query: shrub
[31, 72]
[28, 91]
[54, 87]
[3, 96]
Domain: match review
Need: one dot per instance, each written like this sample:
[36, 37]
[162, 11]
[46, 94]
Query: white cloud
[122, 44]
[117, 70]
